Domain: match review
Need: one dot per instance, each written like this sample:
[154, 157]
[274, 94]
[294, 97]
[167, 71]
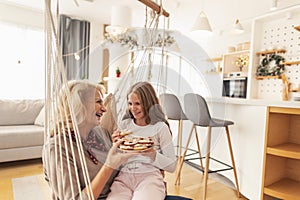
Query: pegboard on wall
[280, 34]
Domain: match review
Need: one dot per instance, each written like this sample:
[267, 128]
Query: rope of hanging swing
[155, 7]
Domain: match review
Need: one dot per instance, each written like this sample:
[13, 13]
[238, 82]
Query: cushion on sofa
[16, 112]
[21, 136]
[40, 119]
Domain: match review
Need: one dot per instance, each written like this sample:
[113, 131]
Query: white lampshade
[237, 27]
[120, 20]
[201, 23]
[116, 30]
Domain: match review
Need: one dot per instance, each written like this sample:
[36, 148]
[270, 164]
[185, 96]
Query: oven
[235, 87]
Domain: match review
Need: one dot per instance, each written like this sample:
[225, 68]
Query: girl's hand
[115, 158]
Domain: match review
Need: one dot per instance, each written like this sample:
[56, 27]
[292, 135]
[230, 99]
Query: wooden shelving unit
[267, 77]
[217, 60]
[271, 51]
[292, 63]
[229, 61]
[288, 150]
[284, 189]
[281, 172]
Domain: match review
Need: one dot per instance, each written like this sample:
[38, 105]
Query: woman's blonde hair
[74, 98]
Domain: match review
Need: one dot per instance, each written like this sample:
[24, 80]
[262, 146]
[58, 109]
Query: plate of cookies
[136, 144]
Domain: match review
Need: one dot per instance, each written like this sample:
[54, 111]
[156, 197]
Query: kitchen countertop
[254, 102]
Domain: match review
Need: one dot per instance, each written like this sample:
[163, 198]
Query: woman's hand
[116, 158]
[116, 136]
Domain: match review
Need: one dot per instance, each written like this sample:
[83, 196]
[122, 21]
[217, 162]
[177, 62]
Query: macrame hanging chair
[58, 107]
[148, 62]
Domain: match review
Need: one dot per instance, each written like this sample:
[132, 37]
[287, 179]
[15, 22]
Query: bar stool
[197, 111]
[173, 110]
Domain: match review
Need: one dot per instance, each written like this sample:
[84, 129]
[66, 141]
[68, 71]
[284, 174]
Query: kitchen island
[247, 137]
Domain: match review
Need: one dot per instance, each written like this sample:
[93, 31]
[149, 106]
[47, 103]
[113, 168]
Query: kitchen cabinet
[281, 171]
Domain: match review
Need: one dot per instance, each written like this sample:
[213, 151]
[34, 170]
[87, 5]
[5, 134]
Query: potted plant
[118, 72]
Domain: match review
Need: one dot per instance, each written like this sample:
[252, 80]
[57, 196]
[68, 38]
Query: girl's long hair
[149, 101]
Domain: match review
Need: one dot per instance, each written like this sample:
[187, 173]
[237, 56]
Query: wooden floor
[191, 181]
[11, 170]
[191, 186]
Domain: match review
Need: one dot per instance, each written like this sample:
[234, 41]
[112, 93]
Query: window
[22, 68]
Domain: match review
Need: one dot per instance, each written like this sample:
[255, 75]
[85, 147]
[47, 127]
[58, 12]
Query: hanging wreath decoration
[271, 65]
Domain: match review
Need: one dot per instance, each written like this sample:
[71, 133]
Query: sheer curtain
[22, 69]
[75, 41]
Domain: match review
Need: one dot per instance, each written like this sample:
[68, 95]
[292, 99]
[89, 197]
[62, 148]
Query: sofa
[21, 129]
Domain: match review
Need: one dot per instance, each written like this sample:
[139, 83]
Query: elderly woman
[80, 163]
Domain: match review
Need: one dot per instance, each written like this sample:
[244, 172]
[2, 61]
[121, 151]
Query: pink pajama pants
[138, 186]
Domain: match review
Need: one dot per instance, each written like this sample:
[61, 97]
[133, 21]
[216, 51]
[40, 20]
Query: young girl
[141, 177]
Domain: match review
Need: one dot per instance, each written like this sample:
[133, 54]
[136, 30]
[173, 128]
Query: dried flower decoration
[242, 61]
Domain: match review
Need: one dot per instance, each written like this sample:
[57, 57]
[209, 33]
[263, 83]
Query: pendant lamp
[202, 23]
[120, 20]
[237, 27]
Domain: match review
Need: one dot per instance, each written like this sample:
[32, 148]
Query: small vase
[241, 68]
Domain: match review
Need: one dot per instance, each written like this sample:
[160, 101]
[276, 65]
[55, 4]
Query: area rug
[30, 188]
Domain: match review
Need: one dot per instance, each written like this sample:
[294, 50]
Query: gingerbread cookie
[125, 132]
[134, 144]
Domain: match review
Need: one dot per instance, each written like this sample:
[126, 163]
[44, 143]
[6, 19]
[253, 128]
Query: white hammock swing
[148, 62]
[57, 107]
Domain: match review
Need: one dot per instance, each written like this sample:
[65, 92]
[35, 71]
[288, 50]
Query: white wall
[182, 17]
[96, 36]
[19, 15]
[34, 18]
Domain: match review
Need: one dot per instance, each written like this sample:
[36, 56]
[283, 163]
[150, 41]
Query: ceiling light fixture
[274, 5]
[120, 20]
[237, 27]
[202, 23]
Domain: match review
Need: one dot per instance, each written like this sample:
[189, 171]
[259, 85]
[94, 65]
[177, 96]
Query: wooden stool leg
[207, 161]
[179, 139]
[232, 160]
[179, 147]
[198, 145]
[179, 167]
